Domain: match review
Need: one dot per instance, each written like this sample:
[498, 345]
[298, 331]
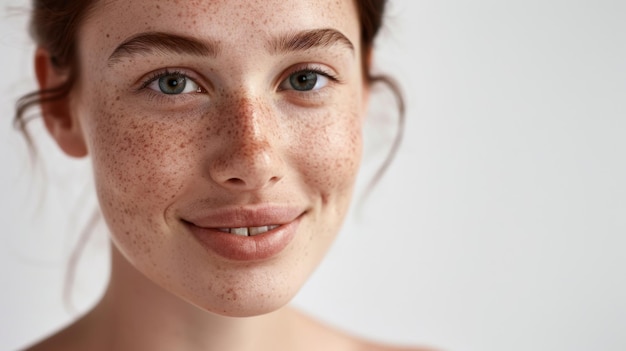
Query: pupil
[303, 80]
[172, 84]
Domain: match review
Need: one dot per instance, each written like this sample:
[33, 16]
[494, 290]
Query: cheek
[134, 158]
[333, 153]
[140, 165]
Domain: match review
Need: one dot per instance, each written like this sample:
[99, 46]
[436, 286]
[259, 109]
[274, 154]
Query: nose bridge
[249, 156]
[248, 119]
[254, 130]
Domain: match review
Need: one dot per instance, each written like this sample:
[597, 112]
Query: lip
[263, 246]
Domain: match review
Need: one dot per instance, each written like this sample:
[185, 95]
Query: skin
[243, 139]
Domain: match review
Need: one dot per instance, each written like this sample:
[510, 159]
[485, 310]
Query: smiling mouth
[246, 233]
[249, 231]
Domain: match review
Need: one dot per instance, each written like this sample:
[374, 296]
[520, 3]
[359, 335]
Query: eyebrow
[309, 39]
[164, 43]
[159, 42]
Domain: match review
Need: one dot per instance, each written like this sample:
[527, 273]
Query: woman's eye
[173, 84]
[305, 81]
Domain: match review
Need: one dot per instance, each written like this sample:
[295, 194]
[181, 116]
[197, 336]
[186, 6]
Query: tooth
[272, 227]
[240, 231]
[257, 230]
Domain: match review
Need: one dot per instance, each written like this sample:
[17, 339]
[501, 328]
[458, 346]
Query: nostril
[242, 169]
[236, 181]
[274, 179]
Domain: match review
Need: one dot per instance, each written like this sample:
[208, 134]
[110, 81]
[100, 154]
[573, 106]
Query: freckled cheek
[138, 159]
[334, 154]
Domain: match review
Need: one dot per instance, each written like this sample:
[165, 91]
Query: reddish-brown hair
[54, 25]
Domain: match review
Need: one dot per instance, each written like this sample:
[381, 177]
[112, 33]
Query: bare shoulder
[317, 332]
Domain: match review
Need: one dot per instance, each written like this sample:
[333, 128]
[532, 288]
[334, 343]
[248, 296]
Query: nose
[250, 156]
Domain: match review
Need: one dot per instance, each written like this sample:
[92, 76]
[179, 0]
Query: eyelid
[308, 67]
[157, 74]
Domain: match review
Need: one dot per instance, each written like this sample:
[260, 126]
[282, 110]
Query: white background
[500, 226]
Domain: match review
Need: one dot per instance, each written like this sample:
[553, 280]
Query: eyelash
[160, 98]
[166, 72]
[160, 74]
[312, 69]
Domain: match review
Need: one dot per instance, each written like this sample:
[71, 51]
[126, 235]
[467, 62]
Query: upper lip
[245, 216]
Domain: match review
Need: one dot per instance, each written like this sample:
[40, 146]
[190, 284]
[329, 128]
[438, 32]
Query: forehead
[240, 23]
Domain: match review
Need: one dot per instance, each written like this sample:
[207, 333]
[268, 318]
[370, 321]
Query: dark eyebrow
[305, 40]
[158, 42]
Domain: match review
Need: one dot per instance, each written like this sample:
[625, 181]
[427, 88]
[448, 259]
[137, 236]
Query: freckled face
[243, 121]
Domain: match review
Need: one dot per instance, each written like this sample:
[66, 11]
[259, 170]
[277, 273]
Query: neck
[136, 314]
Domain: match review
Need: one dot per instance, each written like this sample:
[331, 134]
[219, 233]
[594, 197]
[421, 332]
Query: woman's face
[225, 138]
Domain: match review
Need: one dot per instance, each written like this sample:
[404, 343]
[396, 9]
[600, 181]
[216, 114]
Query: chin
[246, 291]
[248, 309]
[246, 303]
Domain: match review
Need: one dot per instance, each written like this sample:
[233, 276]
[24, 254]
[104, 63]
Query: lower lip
[246, 248]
